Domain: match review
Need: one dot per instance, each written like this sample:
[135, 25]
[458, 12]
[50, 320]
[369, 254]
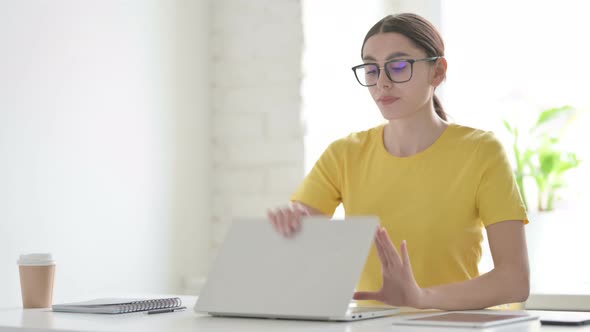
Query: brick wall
[257, 135]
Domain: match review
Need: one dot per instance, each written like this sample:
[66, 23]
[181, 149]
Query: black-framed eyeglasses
[398, 71]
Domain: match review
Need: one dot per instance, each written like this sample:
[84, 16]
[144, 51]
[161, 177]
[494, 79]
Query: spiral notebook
[119, 306]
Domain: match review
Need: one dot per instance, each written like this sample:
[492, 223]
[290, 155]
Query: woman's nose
[383, 81]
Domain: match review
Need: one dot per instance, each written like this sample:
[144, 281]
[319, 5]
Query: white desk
[17, 319]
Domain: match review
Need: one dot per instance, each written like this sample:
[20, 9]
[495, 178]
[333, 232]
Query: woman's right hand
[287, 220]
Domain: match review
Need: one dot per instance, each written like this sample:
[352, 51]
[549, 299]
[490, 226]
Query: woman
[433, 184]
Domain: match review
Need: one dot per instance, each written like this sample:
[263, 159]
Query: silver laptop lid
[259, 272]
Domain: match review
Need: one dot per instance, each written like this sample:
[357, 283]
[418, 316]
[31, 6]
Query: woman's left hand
[399, 285]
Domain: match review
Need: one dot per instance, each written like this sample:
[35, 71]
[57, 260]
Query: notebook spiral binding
[147, 305]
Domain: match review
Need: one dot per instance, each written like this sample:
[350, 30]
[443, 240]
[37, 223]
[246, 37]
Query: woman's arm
[308, 209]
[508, 282]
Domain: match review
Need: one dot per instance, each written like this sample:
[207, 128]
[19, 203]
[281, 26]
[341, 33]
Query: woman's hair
[421, 32]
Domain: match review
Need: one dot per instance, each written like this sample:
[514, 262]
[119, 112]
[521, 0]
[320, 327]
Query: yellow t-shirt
[437, 200]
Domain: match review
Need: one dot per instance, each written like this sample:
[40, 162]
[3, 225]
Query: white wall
[104, 149]
[334, 103]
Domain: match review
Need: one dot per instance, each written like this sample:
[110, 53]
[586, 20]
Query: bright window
[511, 59]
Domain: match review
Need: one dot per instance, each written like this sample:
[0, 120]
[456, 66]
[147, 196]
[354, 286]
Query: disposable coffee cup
[37, 273]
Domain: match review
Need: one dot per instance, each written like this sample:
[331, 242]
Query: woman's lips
[387, 100]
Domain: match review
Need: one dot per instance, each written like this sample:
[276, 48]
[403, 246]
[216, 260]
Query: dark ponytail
[438, 108]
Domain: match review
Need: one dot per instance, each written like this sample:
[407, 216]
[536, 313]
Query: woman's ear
[440, 72]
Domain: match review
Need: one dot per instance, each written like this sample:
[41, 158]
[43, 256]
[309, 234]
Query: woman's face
[400, 100]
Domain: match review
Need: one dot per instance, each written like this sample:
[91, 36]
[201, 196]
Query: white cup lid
[36, 259]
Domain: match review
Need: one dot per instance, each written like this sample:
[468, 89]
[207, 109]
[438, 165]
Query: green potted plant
[543, 159]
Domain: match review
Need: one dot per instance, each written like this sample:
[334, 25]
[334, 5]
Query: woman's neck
[409, 136]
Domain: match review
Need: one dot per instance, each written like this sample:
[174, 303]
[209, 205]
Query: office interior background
[133, 132]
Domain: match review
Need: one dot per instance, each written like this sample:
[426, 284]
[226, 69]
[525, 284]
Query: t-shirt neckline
[429, 150]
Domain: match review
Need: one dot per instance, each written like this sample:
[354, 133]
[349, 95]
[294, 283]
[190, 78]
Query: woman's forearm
[493, 288]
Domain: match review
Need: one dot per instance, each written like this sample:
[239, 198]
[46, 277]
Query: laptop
[311, 276]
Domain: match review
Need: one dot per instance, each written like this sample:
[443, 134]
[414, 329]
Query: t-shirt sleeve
[498, 198]
[322, 187]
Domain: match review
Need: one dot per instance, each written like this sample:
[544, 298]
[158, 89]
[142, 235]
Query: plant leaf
[549, 161]
[553, 113]
[508, 126]
[571, 161]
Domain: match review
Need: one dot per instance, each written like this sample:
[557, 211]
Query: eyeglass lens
[399, 71]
